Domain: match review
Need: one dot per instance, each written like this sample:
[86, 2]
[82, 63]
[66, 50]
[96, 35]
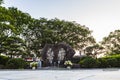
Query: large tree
[12, 24]
[1, 1]
[5, 19]
[94, 50]
[13, 46]
[38, 32]
[20, 20]
[112, 42]
[53, 31]
[5, 27]
[69, 32]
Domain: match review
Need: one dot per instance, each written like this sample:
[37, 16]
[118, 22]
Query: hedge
[88, 62]
[3, 61]
[105, 62]
[16, 63]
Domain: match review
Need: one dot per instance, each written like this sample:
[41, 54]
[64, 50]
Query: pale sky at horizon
[101, 16]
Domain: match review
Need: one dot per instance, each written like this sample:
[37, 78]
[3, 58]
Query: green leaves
[20, 19]
[16, 26]
[12, 46]
[1, 1]
[112, 42]
[55, 31]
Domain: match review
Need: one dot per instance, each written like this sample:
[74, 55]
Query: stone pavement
[79, 74]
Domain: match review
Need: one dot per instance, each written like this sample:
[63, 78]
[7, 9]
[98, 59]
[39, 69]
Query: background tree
[1, 1]
[94, 50]
[38, 32]
[20, 20]
[5, 19]
[112, 42]
[5, 27]
[54, 31]
[13, 46]
[13, 23]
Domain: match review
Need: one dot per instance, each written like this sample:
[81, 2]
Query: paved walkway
[86, 74]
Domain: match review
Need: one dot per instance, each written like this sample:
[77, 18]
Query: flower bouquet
[68, 64]
[33, 65]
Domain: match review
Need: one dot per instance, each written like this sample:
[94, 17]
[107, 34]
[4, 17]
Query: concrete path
[86, 74]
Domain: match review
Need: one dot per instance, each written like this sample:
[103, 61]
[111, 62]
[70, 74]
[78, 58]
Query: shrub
[102, 63]
[3, 60]
[88, 63]
[76, 59]
[105, 62]
[112, 62]
[16, 63]
[84, 57]
[109, 61]
[76, 65]
[2, 66]
[33, 64]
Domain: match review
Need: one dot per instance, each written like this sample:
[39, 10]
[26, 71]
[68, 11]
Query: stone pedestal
[68, 67]
[33, 68]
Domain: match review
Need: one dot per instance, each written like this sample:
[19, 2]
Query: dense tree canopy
[53, 40]
[112, 42]
[13, 46]
[1, 1]
[16, 26]
[94, 50]
[9, 38]
[55, 31]
[35, 33]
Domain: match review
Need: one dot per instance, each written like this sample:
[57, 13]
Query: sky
[100, 16]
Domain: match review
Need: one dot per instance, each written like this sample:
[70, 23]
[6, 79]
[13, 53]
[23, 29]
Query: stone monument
[56, 54]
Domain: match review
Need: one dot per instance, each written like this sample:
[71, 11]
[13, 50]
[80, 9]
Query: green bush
[102, 63]
[2, 66]
[84, 57]
[16, 63]
[88, 63]
[112, 62]
[3, 60]
[109, 61]
[76, 59]
[105, 62]
[118, 61]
